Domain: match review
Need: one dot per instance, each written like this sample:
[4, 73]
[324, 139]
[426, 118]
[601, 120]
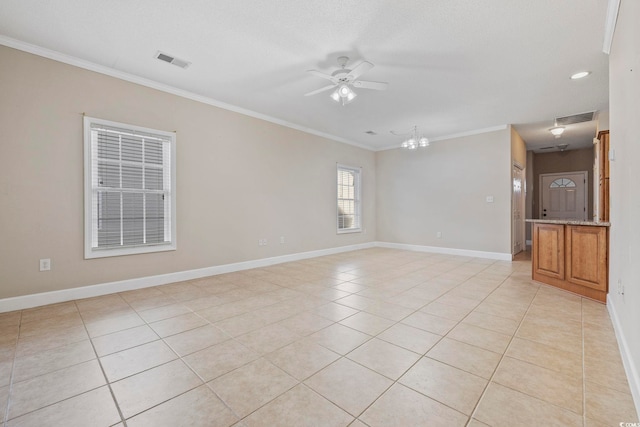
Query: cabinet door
[587, 256]
[548, 250]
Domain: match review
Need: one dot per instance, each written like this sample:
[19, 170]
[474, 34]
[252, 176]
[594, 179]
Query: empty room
[356, 213]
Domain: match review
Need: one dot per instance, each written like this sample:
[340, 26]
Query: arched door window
[562, 182]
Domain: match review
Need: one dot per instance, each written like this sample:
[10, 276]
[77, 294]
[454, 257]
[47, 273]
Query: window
[562, 182]
[129, 189]
[349, 217]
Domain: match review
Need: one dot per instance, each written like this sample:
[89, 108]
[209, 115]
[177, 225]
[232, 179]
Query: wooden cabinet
[548, 255]
[572, 257]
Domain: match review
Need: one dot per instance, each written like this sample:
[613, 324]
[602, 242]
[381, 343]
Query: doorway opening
[517, 217]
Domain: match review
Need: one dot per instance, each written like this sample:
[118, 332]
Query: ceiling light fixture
[580, 75]
[557, 131]
[343, 94]
[414, 139]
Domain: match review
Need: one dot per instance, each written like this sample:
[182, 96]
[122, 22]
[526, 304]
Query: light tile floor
[377, 337]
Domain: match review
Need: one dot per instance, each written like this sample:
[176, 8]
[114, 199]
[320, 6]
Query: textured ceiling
[453, 66]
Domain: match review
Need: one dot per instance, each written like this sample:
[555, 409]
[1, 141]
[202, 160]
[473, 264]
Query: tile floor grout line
[396, 381]
[11, 376]
[178, 357]
[104, 374]
[504, 354]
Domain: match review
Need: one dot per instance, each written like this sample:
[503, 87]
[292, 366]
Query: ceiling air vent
[370, 132]
[576, 118]
[546, 148]
[172, 60]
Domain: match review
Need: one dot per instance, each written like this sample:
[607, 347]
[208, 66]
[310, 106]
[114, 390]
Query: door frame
[559, 174]
[523, 196]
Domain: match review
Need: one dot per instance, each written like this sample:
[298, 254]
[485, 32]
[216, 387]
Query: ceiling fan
[343, 78]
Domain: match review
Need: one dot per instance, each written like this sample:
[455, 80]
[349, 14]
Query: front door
[563, 196]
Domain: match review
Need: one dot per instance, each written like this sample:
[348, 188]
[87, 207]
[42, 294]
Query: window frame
[91, 252]
[357, 199]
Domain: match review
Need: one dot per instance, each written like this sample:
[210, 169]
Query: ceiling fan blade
[323, 76]
[370, 85]
[362, 68]
[322, 89]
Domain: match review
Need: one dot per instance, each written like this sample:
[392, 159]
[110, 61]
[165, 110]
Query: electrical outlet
[264, 242]
[45, 264]
[620, 287]
[439, 235]
[281, 239]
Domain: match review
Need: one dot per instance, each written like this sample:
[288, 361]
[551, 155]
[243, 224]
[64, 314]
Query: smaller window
[348, 206]
[562, 182]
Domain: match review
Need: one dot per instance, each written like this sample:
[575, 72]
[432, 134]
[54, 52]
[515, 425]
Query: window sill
[105, 253]
[350, 230]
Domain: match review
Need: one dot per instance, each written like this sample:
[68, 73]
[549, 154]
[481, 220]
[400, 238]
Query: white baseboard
[627, 359]
[448, 251]
[44, 298]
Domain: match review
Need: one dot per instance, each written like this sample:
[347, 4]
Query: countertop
[570, 222]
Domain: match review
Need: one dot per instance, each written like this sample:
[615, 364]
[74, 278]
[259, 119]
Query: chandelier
[414, 139]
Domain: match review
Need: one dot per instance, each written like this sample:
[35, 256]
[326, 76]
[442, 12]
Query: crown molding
[610, 24]
[132, 78]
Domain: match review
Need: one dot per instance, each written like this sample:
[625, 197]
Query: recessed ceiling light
[580, 75]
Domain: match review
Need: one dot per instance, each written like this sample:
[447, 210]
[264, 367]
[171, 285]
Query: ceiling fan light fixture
[343, 94]
[344, 79]
[351, 96]
[423, 141]
[344, 91]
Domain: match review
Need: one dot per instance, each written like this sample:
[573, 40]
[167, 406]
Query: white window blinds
[130, 181]
[348, 212]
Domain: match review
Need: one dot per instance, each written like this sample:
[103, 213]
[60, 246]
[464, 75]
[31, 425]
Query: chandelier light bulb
[414, 140]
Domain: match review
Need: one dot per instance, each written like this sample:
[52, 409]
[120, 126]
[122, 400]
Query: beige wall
[624, 84]
[239, 179]
[443, 188]
[562, 161]
[518, 148]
